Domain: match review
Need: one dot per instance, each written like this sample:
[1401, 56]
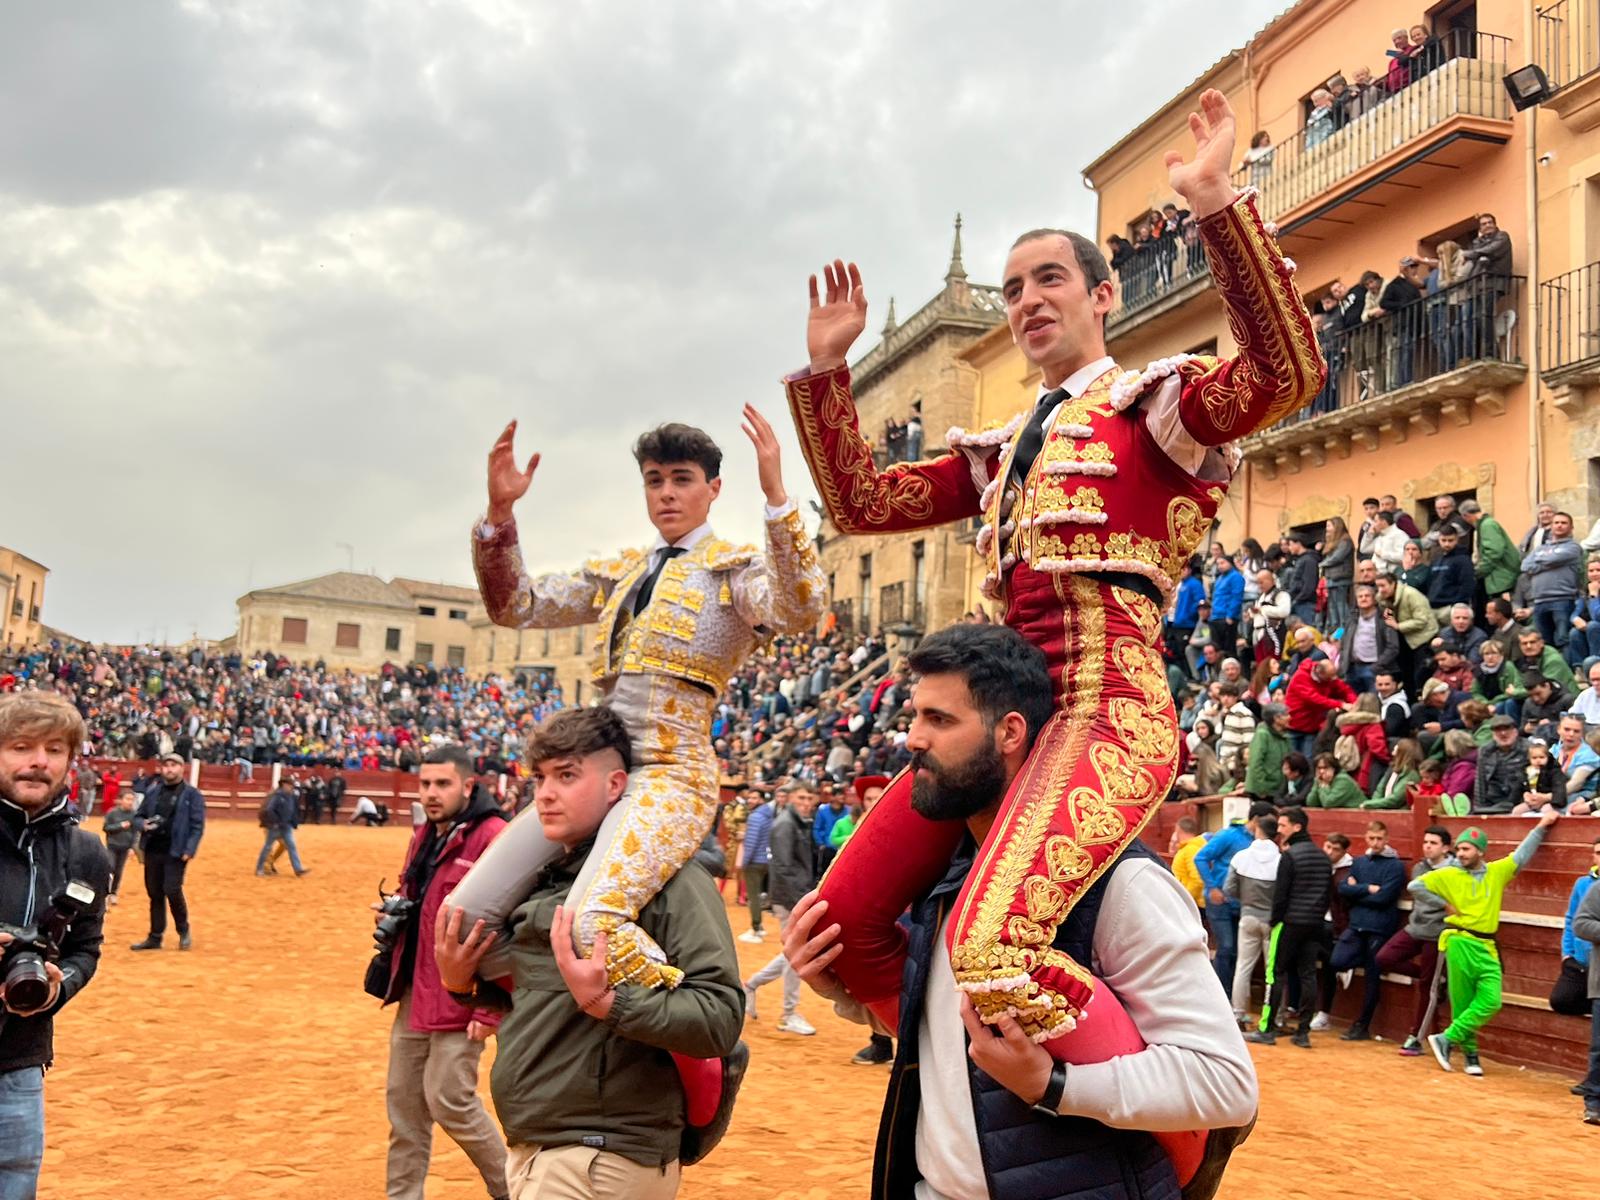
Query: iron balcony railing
[1569, 308]
[1475, 320]
[1155, 269]
[1458, 75]
[1568, 40]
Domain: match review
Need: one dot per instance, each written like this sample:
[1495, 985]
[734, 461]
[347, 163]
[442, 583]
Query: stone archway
[1313, 510]
[1453, 477]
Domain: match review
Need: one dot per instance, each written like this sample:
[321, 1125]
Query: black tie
[1031, 441]
[649, 585]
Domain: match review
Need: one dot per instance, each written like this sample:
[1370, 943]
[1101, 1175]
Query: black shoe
[1356, 1033]
[150, 943]
[185, 941]
[1591, 1113]
[874, 1055]
[1577, 1089]
[301, 874]
[1301, 1039]
[1261, 1038]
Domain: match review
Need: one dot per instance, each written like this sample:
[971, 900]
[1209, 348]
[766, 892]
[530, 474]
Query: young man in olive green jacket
[1263, 774]
[1498, 560]
[583, 1081]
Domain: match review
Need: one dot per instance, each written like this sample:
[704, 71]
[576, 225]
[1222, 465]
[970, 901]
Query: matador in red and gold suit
[1090, 504]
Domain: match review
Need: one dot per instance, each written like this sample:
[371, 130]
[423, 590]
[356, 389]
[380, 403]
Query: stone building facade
[22, 583]
[916, 579]
[344, 619]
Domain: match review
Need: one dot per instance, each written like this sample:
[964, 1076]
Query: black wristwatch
[1049, 1104]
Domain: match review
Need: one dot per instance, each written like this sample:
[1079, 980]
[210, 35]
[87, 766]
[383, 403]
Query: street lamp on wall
[1528, 86]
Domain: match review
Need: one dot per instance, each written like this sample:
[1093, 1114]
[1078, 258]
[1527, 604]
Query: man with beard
[41, 852]
[982, 697]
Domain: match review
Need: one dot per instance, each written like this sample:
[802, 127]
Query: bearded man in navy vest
[1046, 1129]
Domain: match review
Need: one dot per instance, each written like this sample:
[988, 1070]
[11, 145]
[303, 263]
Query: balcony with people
[1432, 346]
[1440, 102]
[1569, 308]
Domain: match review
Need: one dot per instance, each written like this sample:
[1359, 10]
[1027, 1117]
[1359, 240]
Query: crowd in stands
[1412, 54]
[777, 716]
[902, 440]
[1453, 669]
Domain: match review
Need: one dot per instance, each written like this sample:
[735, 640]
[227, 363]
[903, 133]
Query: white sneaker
[750, 1002]
[795, 1023]
[752, 937]
[1319, 1023]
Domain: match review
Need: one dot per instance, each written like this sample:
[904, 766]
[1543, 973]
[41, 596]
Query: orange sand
[253, 1066]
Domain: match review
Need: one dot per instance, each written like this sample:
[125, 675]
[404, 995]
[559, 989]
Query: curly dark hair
[677, 443]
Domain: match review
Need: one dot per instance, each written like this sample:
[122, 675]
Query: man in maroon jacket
[435, 1043]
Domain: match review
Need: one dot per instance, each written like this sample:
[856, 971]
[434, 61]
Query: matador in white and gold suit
[673, 622]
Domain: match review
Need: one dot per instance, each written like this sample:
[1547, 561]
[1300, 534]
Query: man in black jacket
[1369, 643]
[172, 819]
[1299, 904]
[42, 851]
[1452, 577]
[791, 873]
[1302, 582]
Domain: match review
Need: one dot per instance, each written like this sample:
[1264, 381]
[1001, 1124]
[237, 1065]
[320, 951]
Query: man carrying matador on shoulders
[1090, 505]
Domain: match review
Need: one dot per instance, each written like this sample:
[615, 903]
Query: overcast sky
[273, 274]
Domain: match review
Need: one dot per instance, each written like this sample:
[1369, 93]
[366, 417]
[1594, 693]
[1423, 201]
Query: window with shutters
[456, 656]
[294, 631]
[391, 639]
[458, 614]
[347, 636]
[423, 653]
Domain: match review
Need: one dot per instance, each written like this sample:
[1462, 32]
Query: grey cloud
[272, 276]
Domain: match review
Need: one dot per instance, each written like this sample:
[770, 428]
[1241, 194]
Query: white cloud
[273, 276]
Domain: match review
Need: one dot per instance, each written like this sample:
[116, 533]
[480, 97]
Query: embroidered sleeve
[783, 592]
[1279, 367]
[859, 497]
[517, 602]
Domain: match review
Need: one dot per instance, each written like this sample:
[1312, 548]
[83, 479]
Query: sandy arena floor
[253, 1066]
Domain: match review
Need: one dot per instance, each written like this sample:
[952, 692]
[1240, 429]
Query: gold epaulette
[614, 568]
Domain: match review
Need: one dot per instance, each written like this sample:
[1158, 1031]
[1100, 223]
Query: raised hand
[1204, 183]
[507, 484]
[769, 456]
[836, 322]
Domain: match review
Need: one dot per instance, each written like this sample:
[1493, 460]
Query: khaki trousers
[579, 1173]
[433, 1080]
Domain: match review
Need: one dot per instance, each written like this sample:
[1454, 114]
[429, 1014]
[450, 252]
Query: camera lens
[27, 985]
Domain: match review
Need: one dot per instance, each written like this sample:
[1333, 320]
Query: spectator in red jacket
[1315, 691]
[1364, 725]
[436, 1041]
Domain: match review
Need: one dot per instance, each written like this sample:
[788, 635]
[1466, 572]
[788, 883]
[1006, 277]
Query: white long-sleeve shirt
[1195, 1072]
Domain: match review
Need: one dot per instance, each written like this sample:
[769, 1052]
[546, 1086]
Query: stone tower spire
[956, 271]
[890, 325]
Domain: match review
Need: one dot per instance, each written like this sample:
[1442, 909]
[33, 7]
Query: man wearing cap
[1498, 562]
[171, 820]
[1502, 769]
[1473, 890]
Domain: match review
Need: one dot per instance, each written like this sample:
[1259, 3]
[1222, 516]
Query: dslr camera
[22, 960]
[394, 914]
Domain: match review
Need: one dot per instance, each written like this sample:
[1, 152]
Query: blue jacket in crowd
[822, 824]
[1227, 596]
[1186, 609]
[1379, 911]
[1576, 947]
[758, 836]
[1216, 855]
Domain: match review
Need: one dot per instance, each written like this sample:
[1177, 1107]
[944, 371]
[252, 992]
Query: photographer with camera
[435, 1042]
[171, 820]
[53, 879]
